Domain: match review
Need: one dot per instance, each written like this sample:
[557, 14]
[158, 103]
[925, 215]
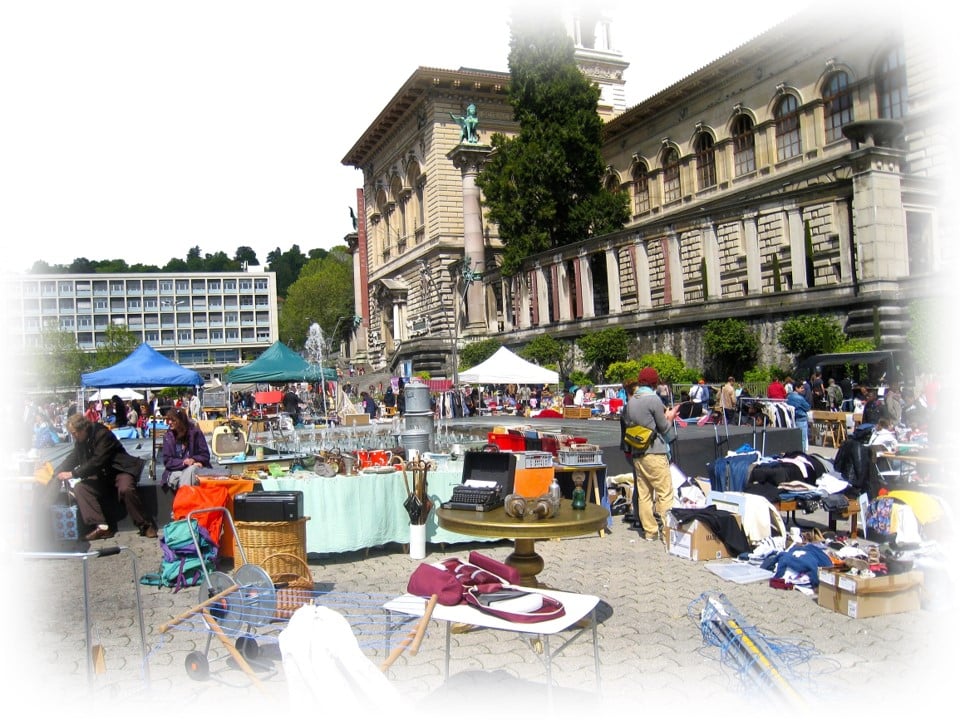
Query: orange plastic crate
[532, 482]
[507, 441]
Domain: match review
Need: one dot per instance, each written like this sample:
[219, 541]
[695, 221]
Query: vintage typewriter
[487, 479]
[479, 495]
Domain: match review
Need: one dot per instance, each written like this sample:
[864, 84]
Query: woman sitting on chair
[185, 450]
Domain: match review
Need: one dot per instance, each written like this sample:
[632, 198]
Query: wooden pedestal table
[496, 523]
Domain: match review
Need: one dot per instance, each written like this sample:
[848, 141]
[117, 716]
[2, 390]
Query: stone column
[798, 254]
[711, 253]
[613, 280]
[879, 220]
[469, 159]
[751, 241]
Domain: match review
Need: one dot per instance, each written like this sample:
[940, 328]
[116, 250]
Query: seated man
[96, 467]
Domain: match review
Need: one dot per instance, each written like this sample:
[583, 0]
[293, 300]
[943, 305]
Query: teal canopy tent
[280, 364]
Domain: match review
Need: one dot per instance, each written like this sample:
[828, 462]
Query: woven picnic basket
[293, 582]
[261, 540]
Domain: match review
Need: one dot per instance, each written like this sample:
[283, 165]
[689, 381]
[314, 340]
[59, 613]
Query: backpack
[182, 565]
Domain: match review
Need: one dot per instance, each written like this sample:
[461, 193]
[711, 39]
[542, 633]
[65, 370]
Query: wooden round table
[524, 533]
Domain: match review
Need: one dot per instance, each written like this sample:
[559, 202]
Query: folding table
[579, 610]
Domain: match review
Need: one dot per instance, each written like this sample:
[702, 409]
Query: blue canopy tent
[145, 368]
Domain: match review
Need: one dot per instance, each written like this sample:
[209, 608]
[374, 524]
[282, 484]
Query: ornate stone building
[801, 172]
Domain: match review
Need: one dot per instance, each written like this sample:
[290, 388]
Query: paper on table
[481, 483]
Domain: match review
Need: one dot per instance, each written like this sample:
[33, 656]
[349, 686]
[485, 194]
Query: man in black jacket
[97, 465]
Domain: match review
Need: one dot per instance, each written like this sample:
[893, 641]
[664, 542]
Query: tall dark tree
[287, 265]
[543, 187]
[246, 254]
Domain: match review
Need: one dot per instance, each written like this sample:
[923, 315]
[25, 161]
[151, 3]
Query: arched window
[744, 152]
[641, 189]
[706, 161]
[837, 106]
[787, 118]
[671, 175]
[892, 85]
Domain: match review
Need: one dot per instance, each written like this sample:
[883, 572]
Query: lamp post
[461, 284]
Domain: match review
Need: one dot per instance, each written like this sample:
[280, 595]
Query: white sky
[141, 129]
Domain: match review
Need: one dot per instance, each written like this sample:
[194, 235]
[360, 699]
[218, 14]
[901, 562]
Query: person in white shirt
[697, 396]
[578, 397]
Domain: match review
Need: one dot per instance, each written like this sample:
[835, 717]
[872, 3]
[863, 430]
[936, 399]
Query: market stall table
[248, 463]
[524, 533]
[355, 512]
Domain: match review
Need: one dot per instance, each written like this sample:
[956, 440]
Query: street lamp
[461, 285]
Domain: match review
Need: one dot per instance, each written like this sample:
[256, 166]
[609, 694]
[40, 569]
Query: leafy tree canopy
[59, 362]
[118, 342]
[195, 261]
[543, 187]
[670, 368]
[475, 353]
[603, 347]
[544, 350]
[810, 335]
[926, 335]
[731, 346]
[323, 293]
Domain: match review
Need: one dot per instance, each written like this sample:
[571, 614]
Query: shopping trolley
[245, 609]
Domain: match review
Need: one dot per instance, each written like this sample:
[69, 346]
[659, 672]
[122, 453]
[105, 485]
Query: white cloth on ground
[325, 667]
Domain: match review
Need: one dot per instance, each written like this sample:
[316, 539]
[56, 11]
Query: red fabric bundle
[459, 582]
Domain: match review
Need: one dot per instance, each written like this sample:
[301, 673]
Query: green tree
[287, 265]
[322, 294]
[545, 350]
[59, 362]
[543, 187]
[245, 254]
[925, 337]
[623, 372]
[118, 342]
[731, 346]
[476, 352]
[669, 367]
[219, 262]
[603, 347]
[810, 335]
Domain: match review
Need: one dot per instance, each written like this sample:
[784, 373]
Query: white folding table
[577, 607]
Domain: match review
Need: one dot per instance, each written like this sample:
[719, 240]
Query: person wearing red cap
[652, 466]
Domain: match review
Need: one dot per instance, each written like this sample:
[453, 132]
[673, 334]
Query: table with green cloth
[354, 512]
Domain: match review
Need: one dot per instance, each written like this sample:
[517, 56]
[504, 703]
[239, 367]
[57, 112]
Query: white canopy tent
[125, 394]
[505, 367]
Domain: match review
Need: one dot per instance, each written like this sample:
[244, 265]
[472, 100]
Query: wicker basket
[262, 542]
[295, 587]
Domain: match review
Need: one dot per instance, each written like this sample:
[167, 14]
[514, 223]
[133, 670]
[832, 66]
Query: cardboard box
[860, 597]
[693, 541]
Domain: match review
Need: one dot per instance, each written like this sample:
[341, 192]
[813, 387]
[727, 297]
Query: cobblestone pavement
[652, 651]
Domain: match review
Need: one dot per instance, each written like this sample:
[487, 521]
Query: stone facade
[800, 173]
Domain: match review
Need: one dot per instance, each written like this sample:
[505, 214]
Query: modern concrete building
[802, 172]
[204, 321]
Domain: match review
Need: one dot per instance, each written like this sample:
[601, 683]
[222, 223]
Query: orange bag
[194, 497]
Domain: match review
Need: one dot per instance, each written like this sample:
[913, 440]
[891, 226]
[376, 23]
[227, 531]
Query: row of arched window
[838, 104]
